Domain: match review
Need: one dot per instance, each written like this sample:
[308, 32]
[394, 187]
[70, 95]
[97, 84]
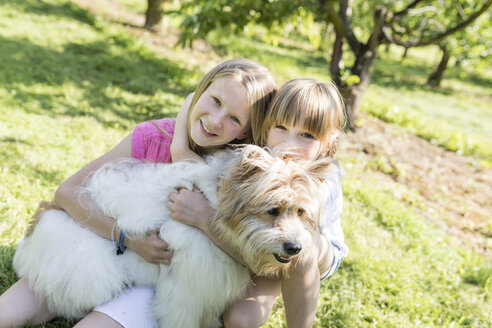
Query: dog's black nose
[292, 248]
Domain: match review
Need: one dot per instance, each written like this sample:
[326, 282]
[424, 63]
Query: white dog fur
[76, 270]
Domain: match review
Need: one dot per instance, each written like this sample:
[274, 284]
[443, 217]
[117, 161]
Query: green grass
[72, 85]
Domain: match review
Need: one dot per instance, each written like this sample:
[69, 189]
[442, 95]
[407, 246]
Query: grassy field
[73, 84]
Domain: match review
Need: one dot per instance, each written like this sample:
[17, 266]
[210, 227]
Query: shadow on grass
[402, 75]
[15, 141]
[408, 75]
[66, 10]
[472, 77]
[266, 54]
[7, 274]
[36, 74]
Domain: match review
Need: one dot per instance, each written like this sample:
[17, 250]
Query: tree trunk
[405, 53]
[153, 16]
[336, 63]
[437, 75]
[352, 94]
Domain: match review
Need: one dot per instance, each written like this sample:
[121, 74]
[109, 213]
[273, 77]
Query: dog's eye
[300, 212]
[274, 211]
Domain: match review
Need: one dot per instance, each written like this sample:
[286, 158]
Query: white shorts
[131, 309]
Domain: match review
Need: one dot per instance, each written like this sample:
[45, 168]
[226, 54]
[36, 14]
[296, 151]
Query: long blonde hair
[317, 105]
[258, 84]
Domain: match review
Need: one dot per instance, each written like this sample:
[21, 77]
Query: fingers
[166, 256]
[162, 256]
[173, 196]
[154, 249]
[163, 252]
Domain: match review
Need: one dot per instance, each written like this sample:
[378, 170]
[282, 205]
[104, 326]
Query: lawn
[72, 84]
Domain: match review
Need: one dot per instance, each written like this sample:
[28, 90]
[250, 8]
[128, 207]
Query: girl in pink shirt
[227, 102]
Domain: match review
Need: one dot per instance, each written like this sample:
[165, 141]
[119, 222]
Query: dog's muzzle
[291, 248]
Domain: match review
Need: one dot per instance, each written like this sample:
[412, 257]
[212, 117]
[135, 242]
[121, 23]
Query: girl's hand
[191, 207]
[151, 248]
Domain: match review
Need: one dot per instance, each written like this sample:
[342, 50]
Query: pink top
[151, 140]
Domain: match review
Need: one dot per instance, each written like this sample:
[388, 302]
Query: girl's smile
[206, 131]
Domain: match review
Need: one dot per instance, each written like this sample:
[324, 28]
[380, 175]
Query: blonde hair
[258, 84]
[316, 105]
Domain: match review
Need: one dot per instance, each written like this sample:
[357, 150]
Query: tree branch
[415, 12]
[407, 9]
[419, 43]
[379, 21]
[342, 24]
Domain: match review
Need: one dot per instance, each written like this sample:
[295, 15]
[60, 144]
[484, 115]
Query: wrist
[118, 237]
[204, 224]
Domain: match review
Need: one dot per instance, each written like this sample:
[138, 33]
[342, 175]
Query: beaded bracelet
[120, 248]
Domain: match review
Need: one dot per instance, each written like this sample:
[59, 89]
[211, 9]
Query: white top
[332, 228]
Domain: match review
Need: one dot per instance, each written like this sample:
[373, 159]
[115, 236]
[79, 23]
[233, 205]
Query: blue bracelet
[120, 248]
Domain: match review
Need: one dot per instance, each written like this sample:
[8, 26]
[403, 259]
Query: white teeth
[205, 128]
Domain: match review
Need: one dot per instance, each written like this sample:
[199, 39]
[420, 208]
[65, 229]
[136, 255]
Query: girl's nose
[216, 119]
[291, 151]
[291, 141]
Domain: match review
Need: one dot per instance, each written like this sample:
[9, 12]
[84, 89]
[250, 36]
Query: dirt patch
[455, 190]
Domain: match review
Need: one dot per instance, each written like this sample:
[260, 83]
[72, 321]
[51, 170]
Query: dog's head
[270, 208]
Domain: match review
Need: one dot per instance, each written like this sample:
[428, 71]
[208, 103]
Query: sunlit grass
[72, 85]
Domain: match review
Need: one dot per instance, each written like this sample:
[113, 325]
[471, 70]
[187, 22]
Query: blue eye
[235, 119]
[281, 127]
[217, 101]
[308, 135]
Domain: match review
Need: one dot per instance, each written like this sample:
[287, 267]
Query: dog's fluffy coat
[268, 210]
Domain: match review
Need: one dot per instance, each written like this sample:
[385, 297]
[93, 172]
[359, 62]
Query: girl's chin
[202, 141]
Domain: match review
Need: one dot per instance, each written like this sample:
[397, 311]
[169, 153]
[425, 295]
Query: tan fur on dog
[269, 201]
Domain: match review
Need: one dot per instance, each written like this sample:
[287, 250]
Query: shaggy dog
[268, 210]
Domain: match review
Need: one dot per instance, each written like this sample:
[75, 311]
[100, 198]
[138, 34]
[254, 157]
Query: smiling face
[297, 139]
[221, 114]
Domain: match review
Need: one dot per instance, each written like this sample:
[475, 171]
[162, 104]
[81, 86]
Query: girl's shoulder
[163, 128]
[151, 140]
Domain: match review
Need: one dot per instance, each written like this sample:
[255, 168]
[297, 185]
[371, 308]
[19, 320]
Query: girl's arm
[82, 208]
[192, 208]
[180, 149]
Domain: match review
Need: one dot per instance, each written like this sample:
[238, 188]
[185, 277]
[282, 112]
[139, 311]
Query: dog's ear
[323, 167]
[254, 160]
